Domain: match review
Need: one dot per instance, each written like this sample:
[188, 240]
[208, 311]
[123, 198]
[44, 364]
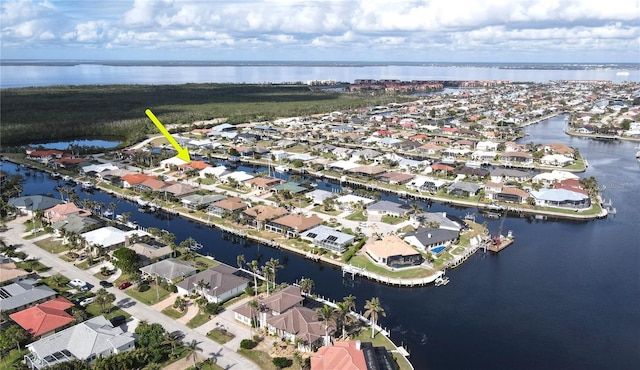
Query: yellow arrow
[183, 153]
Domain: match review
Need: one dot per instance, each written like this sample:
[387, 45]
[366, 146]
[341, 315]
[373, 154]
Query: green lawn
[262, 359]
[198, 320]
[221, 336]
[173, 313]
[362, 261]
[52, 246]
[391, 220]
[320, 209]
[32, 265]
[112, 311]
[357, 216]
[13, 359]
[150, 297]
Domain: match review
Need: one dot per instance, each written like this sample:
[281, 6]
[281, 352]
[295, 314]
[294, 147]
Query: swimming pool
[437, 250]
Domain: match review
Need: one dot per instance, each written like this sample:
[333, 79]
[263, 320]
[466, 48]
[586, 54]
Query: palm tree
[240, 260]
[58, 280]
[201, 286]
[306, 285]
[202, 303]
[274, 264]
[328, 315]
[415, 209]
[103, 298]
[253, 307]
[192, 351]
[180, 304]
[267, 273]
[373, 309]
[112, 208]
[255, 268]
[174, 340]
[343, 318]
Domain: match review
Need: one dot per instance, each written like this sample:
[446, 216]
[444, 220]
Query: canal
[564, 295]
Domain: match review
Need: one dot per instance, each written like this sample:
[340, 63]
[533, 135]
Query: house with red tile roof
[44, 318]
[60, 212]
[352, 355]
[293, 224]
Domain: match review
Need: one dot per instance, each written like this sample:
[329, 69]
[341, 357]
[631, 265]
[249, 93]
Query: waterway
[43, 74]
[564, 295]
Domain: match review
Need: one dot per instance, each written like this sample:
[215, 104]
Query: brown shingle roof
[299, 222]
[264, 212]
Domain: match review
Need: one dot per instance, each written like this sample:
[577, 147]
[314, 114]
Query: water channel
[565, 295]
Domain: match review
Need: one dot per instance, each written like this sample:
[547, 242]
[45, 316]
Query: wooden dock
[498, 247]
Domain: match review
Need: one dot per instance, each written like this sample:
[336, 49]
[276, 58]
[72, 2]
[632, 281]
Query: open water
[565, 295]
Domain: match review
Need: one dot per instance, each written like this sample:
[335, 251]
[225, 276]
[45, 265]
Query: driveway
[226, 356]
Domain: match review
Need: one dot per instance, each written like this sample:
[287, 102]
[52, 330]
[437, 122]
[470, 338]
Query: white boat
[441, 280]
[281, 169]
[107, 213]
[87, 185]
[195, 246]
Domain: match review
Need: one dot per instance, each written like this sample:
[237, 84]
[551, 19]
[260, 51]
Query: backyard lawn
[51, 245]
[153, 295]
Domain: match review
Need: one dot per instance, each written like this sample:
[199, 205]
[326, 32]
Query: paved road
[226, 357]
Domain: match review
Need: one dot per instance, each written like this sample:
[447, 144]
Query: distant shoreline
[266, 63]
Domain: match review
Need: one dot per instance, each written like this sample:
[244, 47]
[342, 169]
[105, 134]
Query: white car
[78, 284]
[86, 301]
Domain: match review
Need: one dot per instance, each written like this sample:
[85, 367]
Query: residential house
[44, 318]
[24, 293]
[558, 160]
[257, 216]
[366, 171]
[178, 190]
[365, 154]
[517, 158]
[562, 198]
[291, 187]
[386, 208]
[239, 177]
[396, 178]
[328, 238]
[228, 206]
[511, 194]
[463, 189]
[150, 252]
[85, 341]
[487, 146]
[110, 238]
[440, 220]
[553, 176]
[560, 149]
[393, 252]
[62, 211]
[430, 149]
[264, 183]
[318, 196]
[509, 174]
[75, 224]
[170, 270]
[222, 283]
[341, 153]
[427, 238]
[352, 355]
[94, 169]
[293, 224]
[214, 172]
[199, 201]
[31, 203]
[10, 272]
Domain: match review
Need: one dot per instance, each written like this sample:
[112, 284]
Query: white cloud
[417, 26]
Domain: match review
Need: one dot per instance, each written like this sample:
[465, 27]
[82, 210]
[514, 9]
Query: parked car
[79, 284]
[106, 284]
[86, 301]
[118, 320]
[124, 285]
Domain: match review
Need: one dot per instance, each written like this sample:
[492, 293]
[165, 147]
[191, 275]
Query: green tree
[192, 351]
[306, 285]
[373, 310]
[59, 280]
[150, 338]
[173, 340]
[253, 311]
[240, 260]
[127, 260]
[255, 268]
[273, 265]
[327, 314]
[104, 299]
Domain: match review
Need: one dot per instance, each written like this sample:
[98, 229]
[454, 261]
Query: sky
[519, 31]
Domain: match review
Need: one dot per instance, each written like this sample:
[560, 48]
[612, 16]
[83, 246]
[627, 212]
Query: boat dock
[504, 242]
[405, 282]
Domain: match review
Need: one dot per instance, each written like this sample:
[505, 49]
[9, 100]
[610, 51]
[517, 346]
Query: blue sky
[323, 30]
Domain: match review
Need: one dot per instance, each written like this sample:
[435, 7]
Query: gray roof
[322, 233]
[464, 186]
[559, 195]
[92, 337]
[509, 172]
[34, 202]
[222, 276]
[199, 199]
[320, 195]
[75, 224]
[23, 293]
[430, 236]
[440, 218]
[391, 207]
[170, 269]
